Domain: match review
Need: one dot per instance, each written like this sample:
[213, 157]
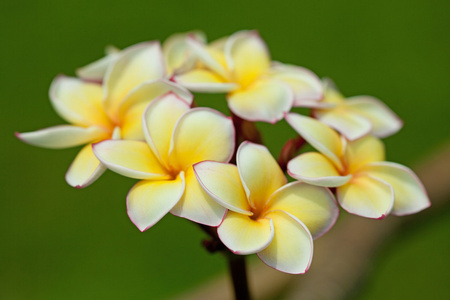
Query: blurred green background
[62, 243]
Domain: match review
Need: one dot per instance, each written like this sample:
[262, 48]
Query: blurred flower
[109, 111]
[267, 216]
[366, 184]
[177, 137]
[258, 89]
[178, 57]
[356, 116]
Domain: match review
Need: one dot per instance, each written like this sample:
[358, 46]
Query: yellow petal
[201, 80]
[78, 102]
[363, 151]
[62, 136]
[135, 65]
[260, 173]
[196, 205]
[265, 100]
[350, 124]
[291, 249]
[314, 168]
[319, 135]
[409, 194]
[149, 201]
[314, 206]
[85, 169]
[384, 121]
[201, 134]
[130, 158]
[159, 121]
[366, 196]
[222, 182]
[247, 56]
[242, 235]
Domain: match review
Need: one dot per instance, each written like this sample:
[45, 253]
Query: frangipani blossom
[356, 116]
[258, 89]
[178, 57]
[267, 216]
[176, 138]
[366, 184]
[110, 111]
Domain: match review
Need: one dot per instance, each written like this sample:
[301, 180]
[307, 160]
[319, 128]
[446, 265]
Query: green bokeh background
[62, 243]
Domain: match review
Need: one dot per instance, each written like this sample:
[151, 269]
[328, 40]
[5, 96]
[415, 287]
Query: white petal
[207, 56]
[149, 201]
[131, 159]
[265, 100]
[314, 206]
[319, 135]
[314, 168]
[365, 150]
[409, 194]
[177, 53]
[350, 124]
[291, 249]
[222, 182]
[366, 196]
[62, 136]
[205, 81]
[151, 90]
[201, 134]
[135, 65]
[196, 205]
[242, 235]
[260, 173]
[78, 102]
[247, 56]
[159, 120]
[385, 122]
[96, 70]
[306, 85]
[85, 169]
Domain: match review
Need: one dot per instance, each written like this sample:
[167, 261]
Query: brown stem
[236, 263]
[238, 272]
[246, 130]
[289, 151]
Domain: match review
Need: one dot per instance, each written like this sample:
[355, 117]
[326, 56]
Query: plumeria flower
[176, 138]
[178, 57]
[267, 216]
[356, 116]
[98, 112]
[366, 184]
[258, 90]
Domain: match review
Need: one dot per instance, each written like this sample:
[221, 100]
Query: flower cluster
[135, 114]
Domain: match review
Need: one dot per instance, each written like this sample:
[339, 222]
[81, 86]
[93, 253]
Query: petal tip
[17, 135]
[381, 217]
